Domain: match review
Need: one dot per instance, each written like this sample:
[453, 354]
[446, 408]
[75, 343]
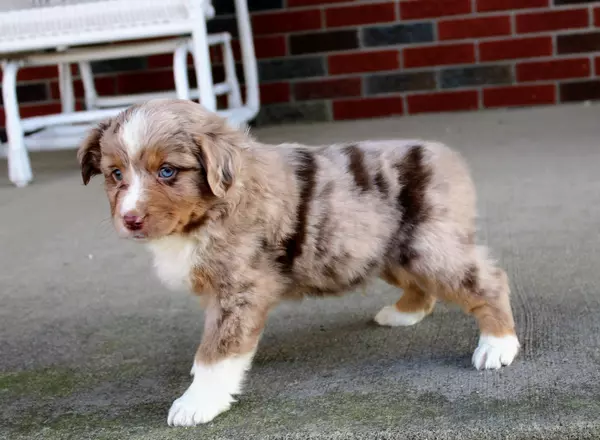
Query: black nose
[133, 222]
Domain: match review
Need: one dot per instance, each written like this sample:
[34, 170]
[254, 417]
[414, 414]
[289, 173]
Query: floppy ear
[89, 154]
[221, 160]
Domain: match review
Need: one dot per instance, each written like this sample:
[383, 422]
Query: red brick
[41, 72]
[506, 5]
[577, 42]
[327, 89]
[360, 14]
[237, 51]
[294, 3]
[552, 20]
[216, 54]
[515, 48]
[597, 17]
[270, 47]
[443, 102]
[555, 69]
[166, 59]
[143, 82]
[222, 102]
[367, 108]
[579, 91]
[105, 85]
[414, 9]
[288, 21]
[474, 27]
[519, 95]
[439, 55]
[597, 66]
[272, 93]
[55, 92]
[31, 110]
[364, 62]
[218, 73]
[330, 41]
[160, 60]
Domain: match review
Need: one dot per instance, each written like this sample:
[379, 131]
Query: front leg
[231, 333]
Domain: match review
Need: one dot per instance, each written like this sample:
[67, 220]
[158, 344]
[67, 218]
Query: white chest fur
[174, 258]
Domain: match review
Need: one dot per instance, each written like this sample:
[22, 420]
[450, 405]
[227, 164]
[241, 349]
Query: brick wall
[345, 59]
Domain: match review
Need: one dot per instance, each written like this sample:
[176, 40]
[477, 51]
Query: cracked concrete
[91, 346]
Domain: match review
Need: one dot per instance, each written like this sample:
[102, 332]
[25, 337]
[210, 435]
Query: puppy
[245, 225]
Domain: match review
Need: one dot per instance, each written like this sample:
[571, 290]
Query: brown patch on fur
[333, 270]
[484, 293]
[381, 184]
[357, 167]
[203, 186]
[414, 177]
[305, 174]
[323, 225]
[221, 161]
[89, 154]
[235, 319]
[201, 281]
[261, 253]
[469, 282]
[195, 224]
[415, 300]
[154, 158]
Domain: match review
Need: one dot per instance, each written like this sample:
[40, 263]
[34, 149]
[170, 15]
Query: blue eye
[118, 175]
[166, 172]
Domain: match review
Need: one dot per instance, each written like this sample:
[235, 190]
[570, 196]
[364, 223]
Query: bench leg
[89, 88]
[248, 56]
[182, 83]
[19, 167]
[65, 86]
[203, 66]
[234, 97]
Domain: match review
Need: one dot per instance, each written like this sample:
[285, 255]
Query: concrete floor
[92, 347]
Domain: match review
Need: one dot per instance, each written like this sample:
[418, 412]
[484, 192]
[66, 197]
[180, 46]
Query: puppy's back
[359, 203]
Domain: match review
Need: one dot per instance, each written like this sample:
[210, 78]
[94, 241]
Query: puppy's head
[165, 164]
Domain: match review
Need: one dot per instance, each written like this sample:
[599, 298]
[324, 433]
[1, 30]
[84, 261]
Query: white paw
[211, 392]
[391, 316]
[195, 407]
[494, 352]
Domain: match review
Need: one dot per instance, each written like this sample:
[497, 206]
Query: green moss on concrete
[61, 382]
[259, 416]
[46, 382]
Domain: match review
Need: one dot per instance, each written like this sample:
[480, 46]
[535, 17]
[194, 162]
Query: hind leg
[484, 292]
[414, 304]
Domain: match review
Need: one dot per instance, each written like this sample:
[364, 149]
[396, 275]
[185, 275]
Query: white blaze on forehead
[133, 194]
[134, 132]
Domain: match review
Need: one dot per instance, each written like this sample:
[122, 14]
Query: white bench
[63, 32]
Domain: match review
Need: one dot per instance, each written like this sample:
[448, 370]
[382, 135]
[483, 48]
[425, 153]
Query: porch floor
[92, 347]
